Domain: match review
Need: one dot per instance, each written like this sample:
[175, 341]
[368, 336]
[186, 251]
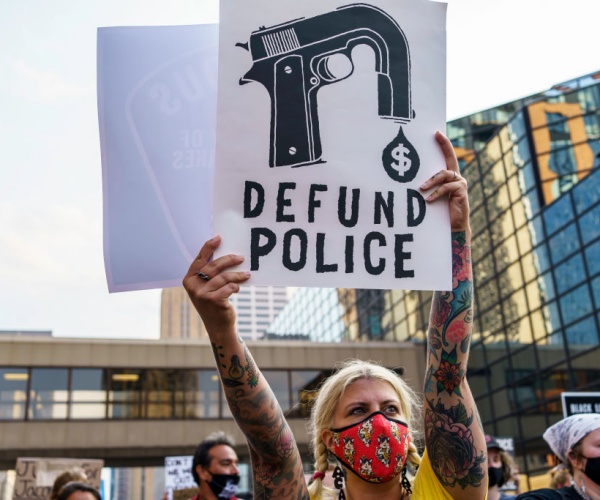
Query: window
[88, 396]
[590, 225]
[278, 380]
[564, 244]
[558, 215]
[13, 393]
[206, 391]
[304, 390]
[125, 396]
[48, 394]
[575, 305]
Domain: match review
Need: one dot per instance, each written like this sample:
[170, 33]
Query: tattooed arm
[453, 433]
[276, 462]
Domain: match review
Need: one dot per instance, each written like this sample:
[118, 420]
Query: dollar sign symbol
[400, 154]
[400, 159]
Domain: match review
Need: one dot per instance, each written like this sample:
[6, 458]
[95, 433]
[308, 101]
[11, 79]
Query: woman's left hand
[450, 182]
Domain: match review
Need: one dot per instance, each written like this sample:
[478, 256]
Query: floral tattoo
[450, 438]
[449, 421]
[451, 312]
[449, 375]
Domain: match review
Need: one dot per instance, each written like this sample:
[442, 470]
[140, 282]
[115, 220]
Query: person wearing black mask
[215, 468]
[500, 470]
[575, 440]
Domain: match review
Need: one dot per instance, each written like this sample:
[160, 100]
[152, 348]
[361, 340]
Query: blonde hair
[508, 465]
[559, 477]
[325, 404]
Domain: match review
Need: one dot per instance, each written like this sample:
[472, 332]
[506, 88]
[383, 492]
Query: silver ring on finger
[454, 178]
[205, 277]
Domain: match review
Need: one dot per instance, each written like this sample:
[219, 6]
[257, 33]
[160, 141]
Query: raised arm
[276, 462]
[453, 433]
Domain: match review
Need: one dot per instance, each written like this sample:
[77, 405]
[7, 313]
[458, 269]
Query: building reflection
[532, 171]
[536, 240]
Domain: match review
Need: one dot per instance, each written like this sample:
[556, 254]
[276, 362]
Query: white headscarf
[566, 433]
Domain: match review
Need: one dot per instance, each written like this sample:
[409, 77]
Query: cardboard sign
[35, 476]
[178, 475]
[157, 113]
[325, 131]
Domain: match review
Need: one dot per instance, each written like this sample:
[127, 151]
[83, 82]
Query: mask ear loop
[338, 481]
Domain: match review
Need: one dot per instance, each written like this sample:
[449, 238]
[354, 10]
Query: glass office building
[535, 214]
[535, 201]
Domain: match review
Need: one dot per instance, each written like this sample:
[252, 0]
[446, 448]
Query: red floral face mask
[374, 449]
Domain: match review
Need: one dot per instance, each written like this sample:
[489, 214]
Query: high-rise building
[257, 307]
[535, 207]
[313, 314]
[178, 318]
[534, 187]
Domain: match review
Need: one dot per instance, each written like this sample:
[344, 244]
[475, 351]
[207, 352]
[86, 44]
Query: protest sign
[575, 403]
[325, 131]
[178, 475]
[507, 443]
[157, 112]
[35, 476]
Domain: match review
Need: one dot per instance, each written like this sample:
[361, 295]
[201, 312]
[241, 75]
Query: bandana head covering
[566, 433]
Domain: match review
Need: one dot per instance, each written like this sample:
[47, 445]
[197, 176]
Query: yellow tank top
[426, 485]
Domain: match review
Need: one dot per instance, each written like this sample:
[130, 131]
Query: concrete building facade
[131, 403]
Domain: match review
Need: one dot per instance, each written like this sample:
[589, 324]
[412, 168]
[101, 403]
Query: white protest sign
[574, 403]
[178, 475]
[325, 131]
[157, 113]
[507, 443]
[35, 476]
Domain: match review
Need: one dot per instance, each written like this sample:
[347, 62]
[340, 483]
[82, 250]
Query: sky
[51, 263]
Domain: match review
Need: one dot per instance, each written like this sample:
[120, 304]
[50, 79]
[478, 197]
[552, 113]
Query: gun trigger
[242, 45]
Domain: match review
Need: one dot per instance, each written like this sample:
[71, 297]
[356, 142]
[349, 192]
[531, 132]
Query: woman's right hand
[209, 283]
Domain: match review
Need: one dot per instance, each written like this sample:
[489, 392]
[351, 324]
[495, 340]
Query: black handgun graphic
[291, 61]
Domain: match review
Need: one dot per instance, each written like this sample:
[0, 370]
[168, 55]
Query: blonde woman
[364, 415]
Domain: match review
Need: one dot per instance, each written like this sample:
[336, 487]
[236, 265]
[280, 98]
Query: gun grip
[294, 123]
